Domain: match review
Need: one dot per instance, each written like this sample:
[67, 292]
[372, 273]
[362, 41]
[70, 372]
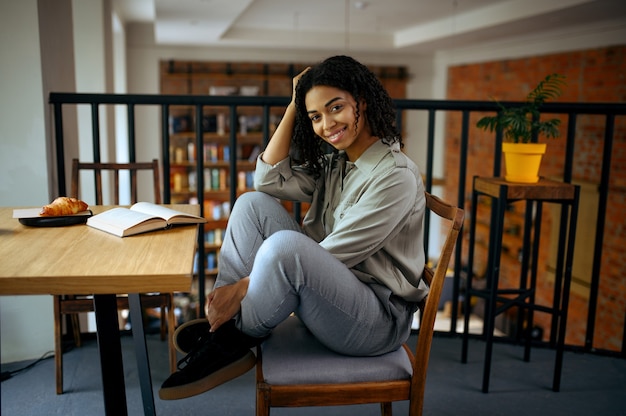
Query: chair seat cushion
[292, 355]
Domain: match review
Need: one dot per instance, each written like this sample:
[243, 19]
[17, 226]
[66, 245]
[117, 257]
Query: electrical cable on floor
[5, 375]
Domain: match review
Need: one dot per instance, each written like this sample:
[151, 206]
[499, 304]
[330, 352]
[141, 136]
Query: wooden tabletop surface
[79, 259]
[545, 189]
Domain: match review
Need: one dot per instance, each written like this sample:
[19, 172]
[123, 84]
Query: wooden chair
[73, 305]
[295, 370]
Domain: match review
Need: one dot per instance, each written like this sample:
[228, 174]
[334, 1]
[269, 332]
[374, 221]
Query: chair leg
[58, 348]
[171, 327]
[262, 404]
[76, 329]
[164, 319]
[385, 409]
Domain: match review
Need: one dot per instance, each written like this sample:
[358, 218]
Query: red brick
[595, 75]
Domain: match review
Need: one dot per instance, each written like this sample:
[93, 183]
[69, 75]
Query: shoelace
[203, 345]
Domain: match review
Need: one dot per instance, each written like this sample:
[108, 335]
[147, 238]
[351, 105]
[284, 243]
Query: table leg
[530, 300]
[110, 348]
[493, 273]
[522, 312]
[141, 353]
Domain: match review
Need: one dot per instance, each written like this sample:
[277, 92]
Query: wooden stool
[498, 300]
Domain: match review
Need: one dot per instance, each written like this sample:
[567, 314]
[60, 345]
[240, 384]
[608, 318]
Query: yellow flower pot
[522, 161]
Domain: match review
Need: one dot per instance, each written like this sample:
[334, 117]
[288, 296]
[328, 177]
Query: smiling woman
[335, 119]
[357, 95]
[354, 266]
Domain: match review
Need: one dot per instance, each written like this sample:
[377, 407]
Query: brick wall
[595, 75]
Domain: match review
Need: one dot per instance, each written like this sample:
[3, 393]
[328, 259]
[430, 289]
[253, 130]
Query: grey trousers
[290, 272]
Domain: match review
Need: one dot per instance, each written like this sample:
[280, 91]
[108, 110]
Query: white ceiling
[368, 25]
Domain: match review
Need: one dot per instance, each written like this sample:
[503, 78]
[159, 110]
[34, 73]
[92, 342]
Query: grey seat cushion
[292, 355]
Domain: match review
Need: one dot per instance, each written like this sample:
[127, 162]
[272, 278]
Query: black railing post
[201, 262]
[597, 255]
[165, 152]
[232, 143]
[59, 147]
[132, 145]
[458, 253]
[95, 132]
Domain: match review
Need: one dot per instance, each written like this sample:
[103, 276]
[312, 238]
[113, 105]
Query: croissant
[63, 206]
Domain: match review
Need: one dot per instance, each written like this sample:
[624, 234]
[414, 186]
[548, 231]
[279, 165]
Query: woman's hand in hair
[295, 82]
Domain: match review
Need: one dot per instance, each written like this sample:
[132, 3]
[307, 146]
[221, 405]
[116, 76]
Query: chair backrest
[429, 306]
[115, 168]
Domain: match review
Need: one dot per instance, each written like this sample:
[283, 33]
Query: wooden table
[81, 260]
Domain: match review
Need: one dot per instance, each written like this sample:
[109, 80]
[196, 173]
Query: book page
[122, 218]
[170, 215]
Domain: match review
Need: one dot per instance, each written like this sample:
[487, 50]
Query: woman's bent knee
[251, 199]
[285, 243]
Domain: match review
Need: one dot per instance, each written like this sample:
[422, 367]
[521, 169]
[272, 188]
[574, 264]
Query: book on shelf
[140, 218]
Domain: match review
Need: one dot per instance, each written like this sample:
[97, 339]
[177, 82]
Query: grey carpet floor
[591, 385]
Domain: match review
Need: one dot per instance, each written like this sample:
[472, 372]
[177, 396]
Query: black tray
[56, 221]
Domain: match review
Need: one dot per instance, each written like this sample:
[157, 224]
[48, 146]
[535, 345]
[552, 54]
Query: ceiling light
[360, 5]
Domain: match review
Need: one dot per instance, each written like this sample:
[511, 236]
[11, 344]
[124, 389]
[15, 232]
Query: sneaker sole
[182, 327]
[221, 376]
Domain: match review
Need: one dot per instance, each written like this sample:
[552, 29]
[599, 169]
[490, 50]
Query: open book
[140, 218]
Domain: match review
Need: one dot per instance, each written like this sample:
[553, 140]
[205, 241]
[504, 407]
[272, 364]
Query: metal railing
[433, 108]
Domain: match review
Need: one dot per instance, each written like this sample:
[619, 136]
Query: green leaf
[522, 123]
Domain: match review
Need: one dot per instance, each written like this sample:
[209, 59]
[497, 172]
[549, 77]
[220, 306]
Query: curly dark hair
[347, 74]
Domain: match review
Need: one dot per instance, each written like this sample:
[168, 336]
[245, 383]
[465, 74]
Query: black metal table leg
[534, 259]
[110, 348]
[141, 353]
[526, 262]
[493, 273]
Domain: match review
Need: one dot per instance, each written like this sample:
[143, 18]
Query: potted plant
[521, 125]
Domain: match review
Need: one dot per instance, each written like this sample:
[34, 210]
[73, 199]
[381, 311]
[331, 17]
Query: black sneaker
[215, 359]
[188, 334]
